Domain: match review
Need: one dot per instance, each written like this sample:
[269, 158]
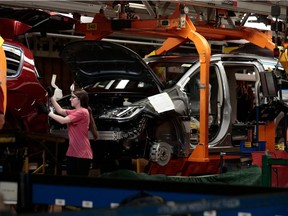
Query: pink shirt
[79, 144]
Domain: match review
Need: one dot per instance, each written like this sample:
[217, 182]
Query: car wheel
[161, 153]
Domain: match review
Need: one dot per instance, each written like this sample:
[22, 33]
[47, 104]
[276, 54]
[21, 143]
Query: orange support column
[267, 134]
[3, 87]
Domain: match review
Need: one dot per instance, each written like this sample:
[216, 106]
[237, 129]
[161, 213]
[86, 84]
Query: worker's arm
[60, 119]
[58, 108]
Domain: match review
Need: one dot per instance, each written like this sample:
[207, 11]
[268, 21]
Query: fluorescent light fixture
[109, 84]
[137, 6]
[83, 19]
[186, 65]
[252, 22]
[122, 84]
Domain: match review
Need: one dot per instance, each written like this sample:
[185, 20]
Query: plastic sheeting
[247, 176]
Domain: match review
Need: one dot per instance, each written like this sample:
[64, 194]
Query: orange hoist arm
[3, 88]
[252, 35]
[177, 29]
[200, 153]
[284, 56]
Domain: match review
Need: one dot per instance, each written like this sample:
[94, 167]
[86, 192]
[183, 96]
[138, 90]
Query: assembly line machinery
[178, 29]
[97, 195]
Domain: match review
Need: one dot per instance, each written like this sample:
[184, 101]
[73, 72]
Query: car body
[25, 93]
[24, 90]
[161, 120]
[225, 91]
[113, 76]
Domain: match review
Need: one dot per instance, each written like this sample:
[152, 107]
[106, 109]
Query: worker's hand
[50, 91]
[51, 110]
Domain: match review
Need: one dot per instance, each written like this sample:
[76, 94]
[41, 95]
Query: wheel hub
[161, 153]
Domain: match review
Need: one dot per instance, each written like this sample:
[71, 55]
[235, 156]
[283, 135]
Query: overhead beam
[85, 8]
[242, 6]
[149, 8]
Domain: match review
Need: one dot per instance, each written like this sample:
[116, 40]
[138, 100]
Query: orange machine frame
[178, 29]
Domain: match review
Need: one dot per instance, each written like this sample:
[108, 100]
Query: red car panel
[24, 91]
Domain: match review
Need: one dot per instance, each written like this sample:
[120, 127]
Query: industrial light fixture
[137, 6]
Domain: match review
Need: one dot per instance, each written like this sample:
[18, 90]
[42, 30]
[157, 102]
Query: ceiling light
[137, 6]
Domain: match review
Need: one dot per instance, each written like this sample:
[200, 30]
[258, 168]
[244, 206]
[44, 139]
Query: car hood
[93, 61]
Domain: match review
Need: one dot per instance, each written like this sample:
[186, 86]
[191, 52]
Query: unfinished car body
[24, 91]
[235, 90]
[141, 116]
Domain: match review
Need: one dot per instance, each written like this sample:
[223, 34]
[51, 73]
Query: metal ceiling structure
[224, 13]
[151, 9]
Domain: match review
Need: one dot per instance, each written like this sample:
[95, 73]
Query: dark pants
[78, 166]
